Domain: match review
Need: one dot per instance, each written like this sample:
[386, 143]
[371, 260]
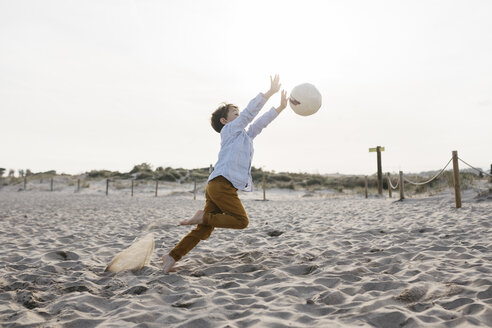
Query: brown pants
[223, 209]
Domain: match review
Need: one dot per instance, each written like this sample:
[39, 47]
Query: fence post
[156, 186]
[456, 179]
[51, 183]
[380, 171]
[25, 183]
[78, 185]
[389, 186]
[194, 189]
[132, 187]
[264, 187]
[366, 183]
[402, 189]
[107, 186]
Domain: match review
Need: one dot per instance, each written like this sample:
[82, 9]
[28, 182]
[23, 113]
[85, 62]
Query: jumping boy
[223, 208]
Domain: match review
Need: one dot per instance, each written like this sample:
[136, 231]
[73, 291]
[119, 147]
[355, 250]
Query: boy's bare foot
[168, 263]
[196, 219]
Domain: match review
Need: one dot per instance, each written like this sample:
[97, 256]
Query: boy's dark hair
[220, 112]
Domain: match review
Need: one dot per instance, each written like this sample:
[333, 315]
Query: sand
[302, 262]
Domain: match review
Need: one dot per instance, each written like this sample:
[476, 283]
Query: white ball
[305, 99]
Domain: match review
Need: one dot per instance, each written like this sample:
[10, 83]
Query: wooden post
[366, 184]
[456, 179]
[264, 187]
[107, 186]
[389, 186]
[380, 171]
[51, 184]
[25, 183]
[194, 189]
[402, 189]
[132, 187]
[156, 186]
[378, 150]
[78, 185]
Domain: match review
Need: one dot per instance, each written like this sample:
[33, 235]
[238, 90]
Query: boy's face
[232, 114]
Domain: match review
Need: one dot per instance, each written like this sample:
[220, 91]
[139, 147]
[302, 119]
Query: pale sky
[109, 84]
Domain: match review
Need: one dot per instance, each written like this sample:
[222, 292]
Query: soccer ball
[305, 99]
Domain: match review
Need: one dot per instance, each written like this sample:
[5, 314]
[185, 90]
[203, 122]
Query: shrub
[182, 172]
[175, 174]
[279, 178]
[352, 182]
[121, 175]
[144, 167]
[257, 176]
[314, 181]
[145, 175]
[286, 185]
[99, 174]
[50, 172]
[166, 176]
[200, 177]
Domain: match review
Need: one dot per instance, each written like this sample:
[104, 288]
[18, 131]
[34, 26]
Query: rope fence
[431, 179]
[478, 170]
[456, 179]
[391, 184]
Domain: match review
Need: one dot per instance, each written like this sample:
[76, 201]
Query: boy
[223, 209]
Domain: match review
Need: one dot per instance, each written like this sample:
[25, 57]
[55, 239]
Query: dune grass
[338, 183]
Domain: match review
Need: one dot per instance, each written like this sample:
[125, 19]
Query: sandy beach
[303, 262]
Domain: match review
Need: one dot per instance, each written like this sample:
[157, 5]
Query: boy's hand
[274, 86]
[283, 102]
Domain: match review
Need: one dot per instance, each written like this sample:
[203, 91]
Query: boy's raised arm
[265, 119]
[255, 105]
